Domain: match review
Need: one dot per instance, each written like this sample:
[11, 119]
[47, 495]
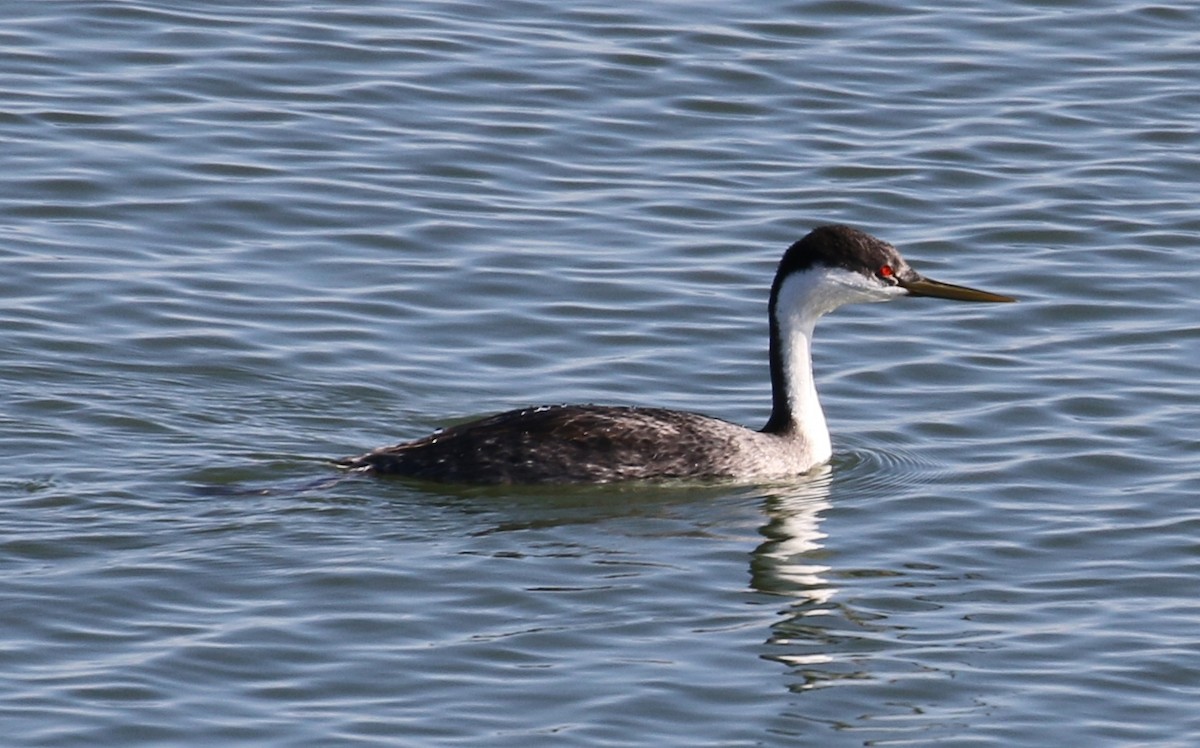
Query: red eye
[886, 271]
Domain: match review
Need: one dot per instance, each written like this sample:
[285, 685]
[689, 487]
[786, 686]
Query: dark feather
[561, 443]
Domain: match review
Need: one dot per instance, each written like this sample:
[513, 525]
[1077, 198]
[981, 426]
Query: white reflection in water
[789, 563]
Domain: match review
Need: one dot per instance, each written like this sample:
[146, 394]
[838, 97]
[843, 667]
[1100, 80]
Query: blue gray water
[239, 240]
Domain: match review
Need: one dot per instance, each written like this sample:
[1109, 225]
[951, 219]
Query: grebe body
[831, 266]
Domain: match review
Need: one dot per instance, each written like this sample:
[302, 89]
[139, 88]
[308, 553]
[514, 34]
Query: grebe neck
[797, 302]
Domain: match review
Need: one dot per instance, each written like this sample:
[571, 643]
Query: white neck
[796, 321]
[801, 299]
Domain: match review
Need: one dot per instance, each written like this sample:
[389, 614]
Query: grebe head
[845, 265]
[832, 266]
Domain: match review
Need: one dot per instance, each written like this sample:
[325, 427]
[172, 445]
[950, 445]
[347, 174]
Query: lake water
[241, 240]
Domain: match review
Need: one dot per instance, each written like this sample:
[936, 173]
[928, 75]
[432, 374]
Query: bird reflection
[790, 563]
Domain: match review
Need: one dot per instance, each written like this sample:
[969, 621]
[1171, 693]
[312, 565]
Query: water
[240, 241]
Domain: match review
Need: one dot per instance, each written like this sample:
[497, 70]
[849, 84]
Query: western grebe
[831, 266]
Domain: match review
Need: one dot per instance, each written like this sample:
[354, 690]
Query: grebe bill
[831, 266]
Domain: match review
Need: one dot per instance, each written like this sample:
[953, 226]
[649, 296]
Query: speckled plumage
[585, 444]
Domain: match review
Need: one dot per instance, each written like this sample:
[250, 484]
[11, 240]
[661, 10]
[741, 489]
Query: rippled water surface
[240, 240]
